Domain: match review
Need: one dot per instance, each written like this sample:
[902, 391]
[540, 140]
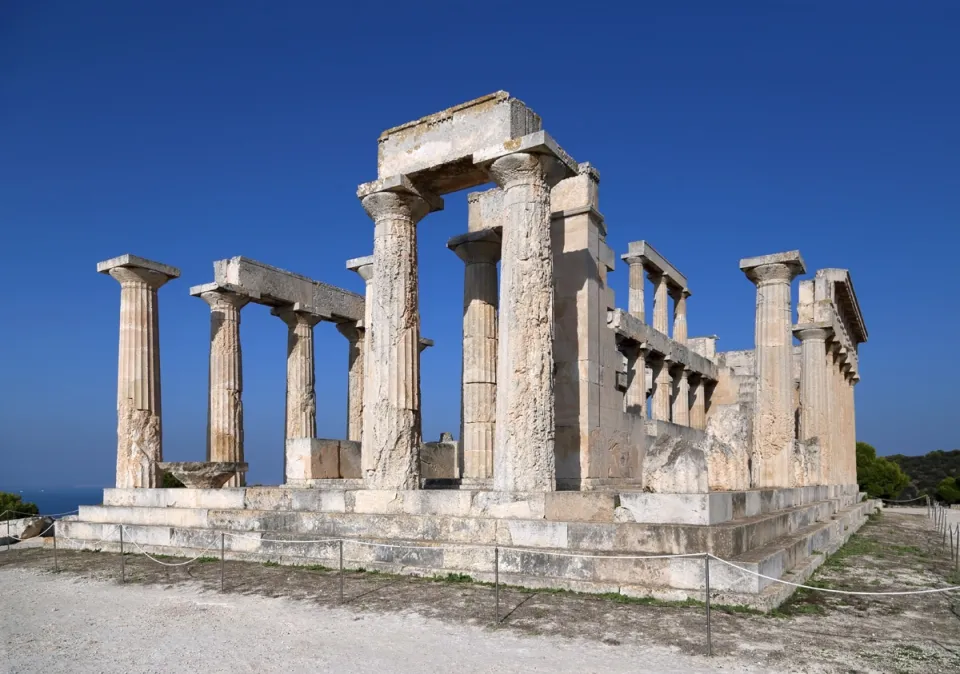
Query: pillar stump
[139, 429]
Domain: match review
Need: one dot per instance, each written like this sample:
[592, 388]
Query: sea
[59, 500]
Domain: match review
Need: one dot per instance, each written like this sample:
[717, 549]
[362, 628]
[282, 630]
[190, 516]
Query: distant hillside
[928, 470]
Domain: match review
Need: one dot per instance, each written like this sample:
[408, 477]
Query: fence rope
[909, 500]
[162, 563]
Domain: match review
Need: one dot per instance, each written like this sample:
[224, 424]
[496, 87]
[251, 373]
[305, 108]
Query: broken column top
[197, 291]
[139, 262]
[791, 259]
[437, 150]
[655, 262]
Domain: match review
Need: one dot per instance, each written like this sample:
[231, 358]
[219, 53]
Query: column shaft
[660, 302]
[662, 390]
[301, 414]
[525, 431]
[813, 393]
[698, 407]
[225, 394]
[681, 397]
[635, 398]
[391, 453]
[636, 297]
[680, 317]
[355, 372]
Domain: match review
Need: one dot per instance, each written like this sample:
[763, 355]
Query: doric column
[225, 382]
[830, 454]
[680, 316]
[363, 266]
[849, 444]
[681, 396]
[660, 302]
[773, 434]
[392, 456]
[525, 432]
[814, 378]
[480, 252]
[851, 399]
[635, 397]
[636, 299]
[698, 405]
[662, 390]
[139, 431]
[355, 364]
[301, 416]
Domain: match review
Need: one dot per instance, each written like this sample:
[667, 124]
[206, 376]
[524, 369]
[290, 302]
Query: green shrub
[15, 506]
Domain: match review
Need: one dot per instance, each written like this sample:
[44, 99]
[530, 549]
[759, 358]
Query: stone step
[729, 539]
[672, 578]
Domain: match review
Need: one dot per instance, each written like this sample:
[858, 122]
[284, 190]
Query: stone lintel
[845, 299]
[631, 329]
[355, 263]
[197, 291]
[436, 150]
[138, 262]
[595, 216]
[400, 184]
[279, 288]
[791, 259]
[653, 261]
[540, 142]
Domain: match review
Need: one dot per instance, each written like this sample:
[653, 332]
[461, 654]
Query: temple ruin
[586, 429]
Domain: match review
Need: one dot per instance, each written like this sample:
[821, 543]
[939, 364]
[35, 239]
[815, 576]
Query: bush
[949, 490]
[19, 508]
[170, 481]
[877, 476]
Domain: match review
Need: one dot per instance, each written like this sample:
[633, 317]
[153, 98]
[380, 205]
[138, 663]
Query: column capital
[812, 331]
[775, 268]
[363, 266]
[295, 316]
[351, 330]
[397, 196]
[132, 269]
[480, 246]
[221, 296]
[528, 159]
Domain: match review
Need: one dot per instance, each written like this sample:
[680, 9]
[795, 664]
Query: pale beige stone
[680, 316]
[681, 397]
[390, 459]
[698, 403]
[525, 433]
[139, 430]
[301, 407]
[662, 389]
[225, 394]
[727, 447]
[773, 432]
[814, 411]
[660, 303]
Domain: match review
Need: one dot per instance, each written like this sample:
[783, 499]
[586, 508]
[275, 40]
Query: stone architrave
[363, 266]
[681, 396]
[773, 434]
[392, 435]
[662, 390]
[225, 383]
[525, 430]
[301, 414]
[813, 388]
[139, 429]
[355, 369]
[480, 252]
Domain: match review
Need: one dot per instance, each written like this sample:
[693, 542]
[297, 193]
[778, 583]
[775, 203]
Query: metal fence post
[56, 562]
[123, 569]
[8, 534]
[341, 570]
[951, 543]
[706, 578]
[496, 583]
[221, 561]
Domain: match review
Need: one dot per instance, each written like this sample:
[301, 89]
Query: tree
[949, 490]
[13, 507]
[878, 476]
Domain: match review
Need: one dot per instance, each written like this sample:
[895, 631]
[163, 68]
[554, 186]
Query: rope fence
[936, 512]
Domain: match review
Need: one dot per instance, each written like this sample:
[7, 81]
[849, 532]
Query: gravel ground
[53, 623]
[285, 618]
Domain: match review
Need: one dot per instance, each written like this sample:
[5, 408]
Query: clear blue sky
[187, 132]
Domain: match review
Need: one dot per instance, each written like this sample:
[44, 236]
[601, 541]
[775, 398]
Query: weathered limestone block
[806, 462]
[438, 460]
[391, 458]
[674, 465]
[726, 444]
[204, 474]
[139, 432]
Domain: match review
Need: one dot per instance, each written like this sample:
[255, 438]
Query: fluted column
[391, 459]
[773, 418]
[681, 396]
[830, 452]
[814, 409]
[698, 405]
[636, 299]
[139, 429]
[363, 266]
[660, 303]
[851, 397]
[225, 387]
[525, 431]
[480, 252]
[635, 397]
[355, 369]
[680, 316]
[301, 415]
[849, 444]
[662, 390]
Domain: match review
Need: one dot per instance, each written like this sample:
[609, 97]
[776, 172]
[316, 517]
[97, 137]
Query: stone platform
[573, 540]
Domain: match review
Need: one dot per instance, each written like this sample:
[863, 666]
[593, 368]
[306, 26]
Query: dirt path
[274, 618]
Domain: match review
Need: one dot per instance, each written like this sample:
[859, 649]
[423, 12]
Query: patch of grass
[207, 560]
[452, 578]
[271, 564]
[737, 608]
[316, 567]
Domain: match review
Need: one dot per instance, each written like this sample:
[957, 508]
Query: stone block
[350, 460]
[533, 534]
[438, 460]
[674, 465]
[580, 506]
